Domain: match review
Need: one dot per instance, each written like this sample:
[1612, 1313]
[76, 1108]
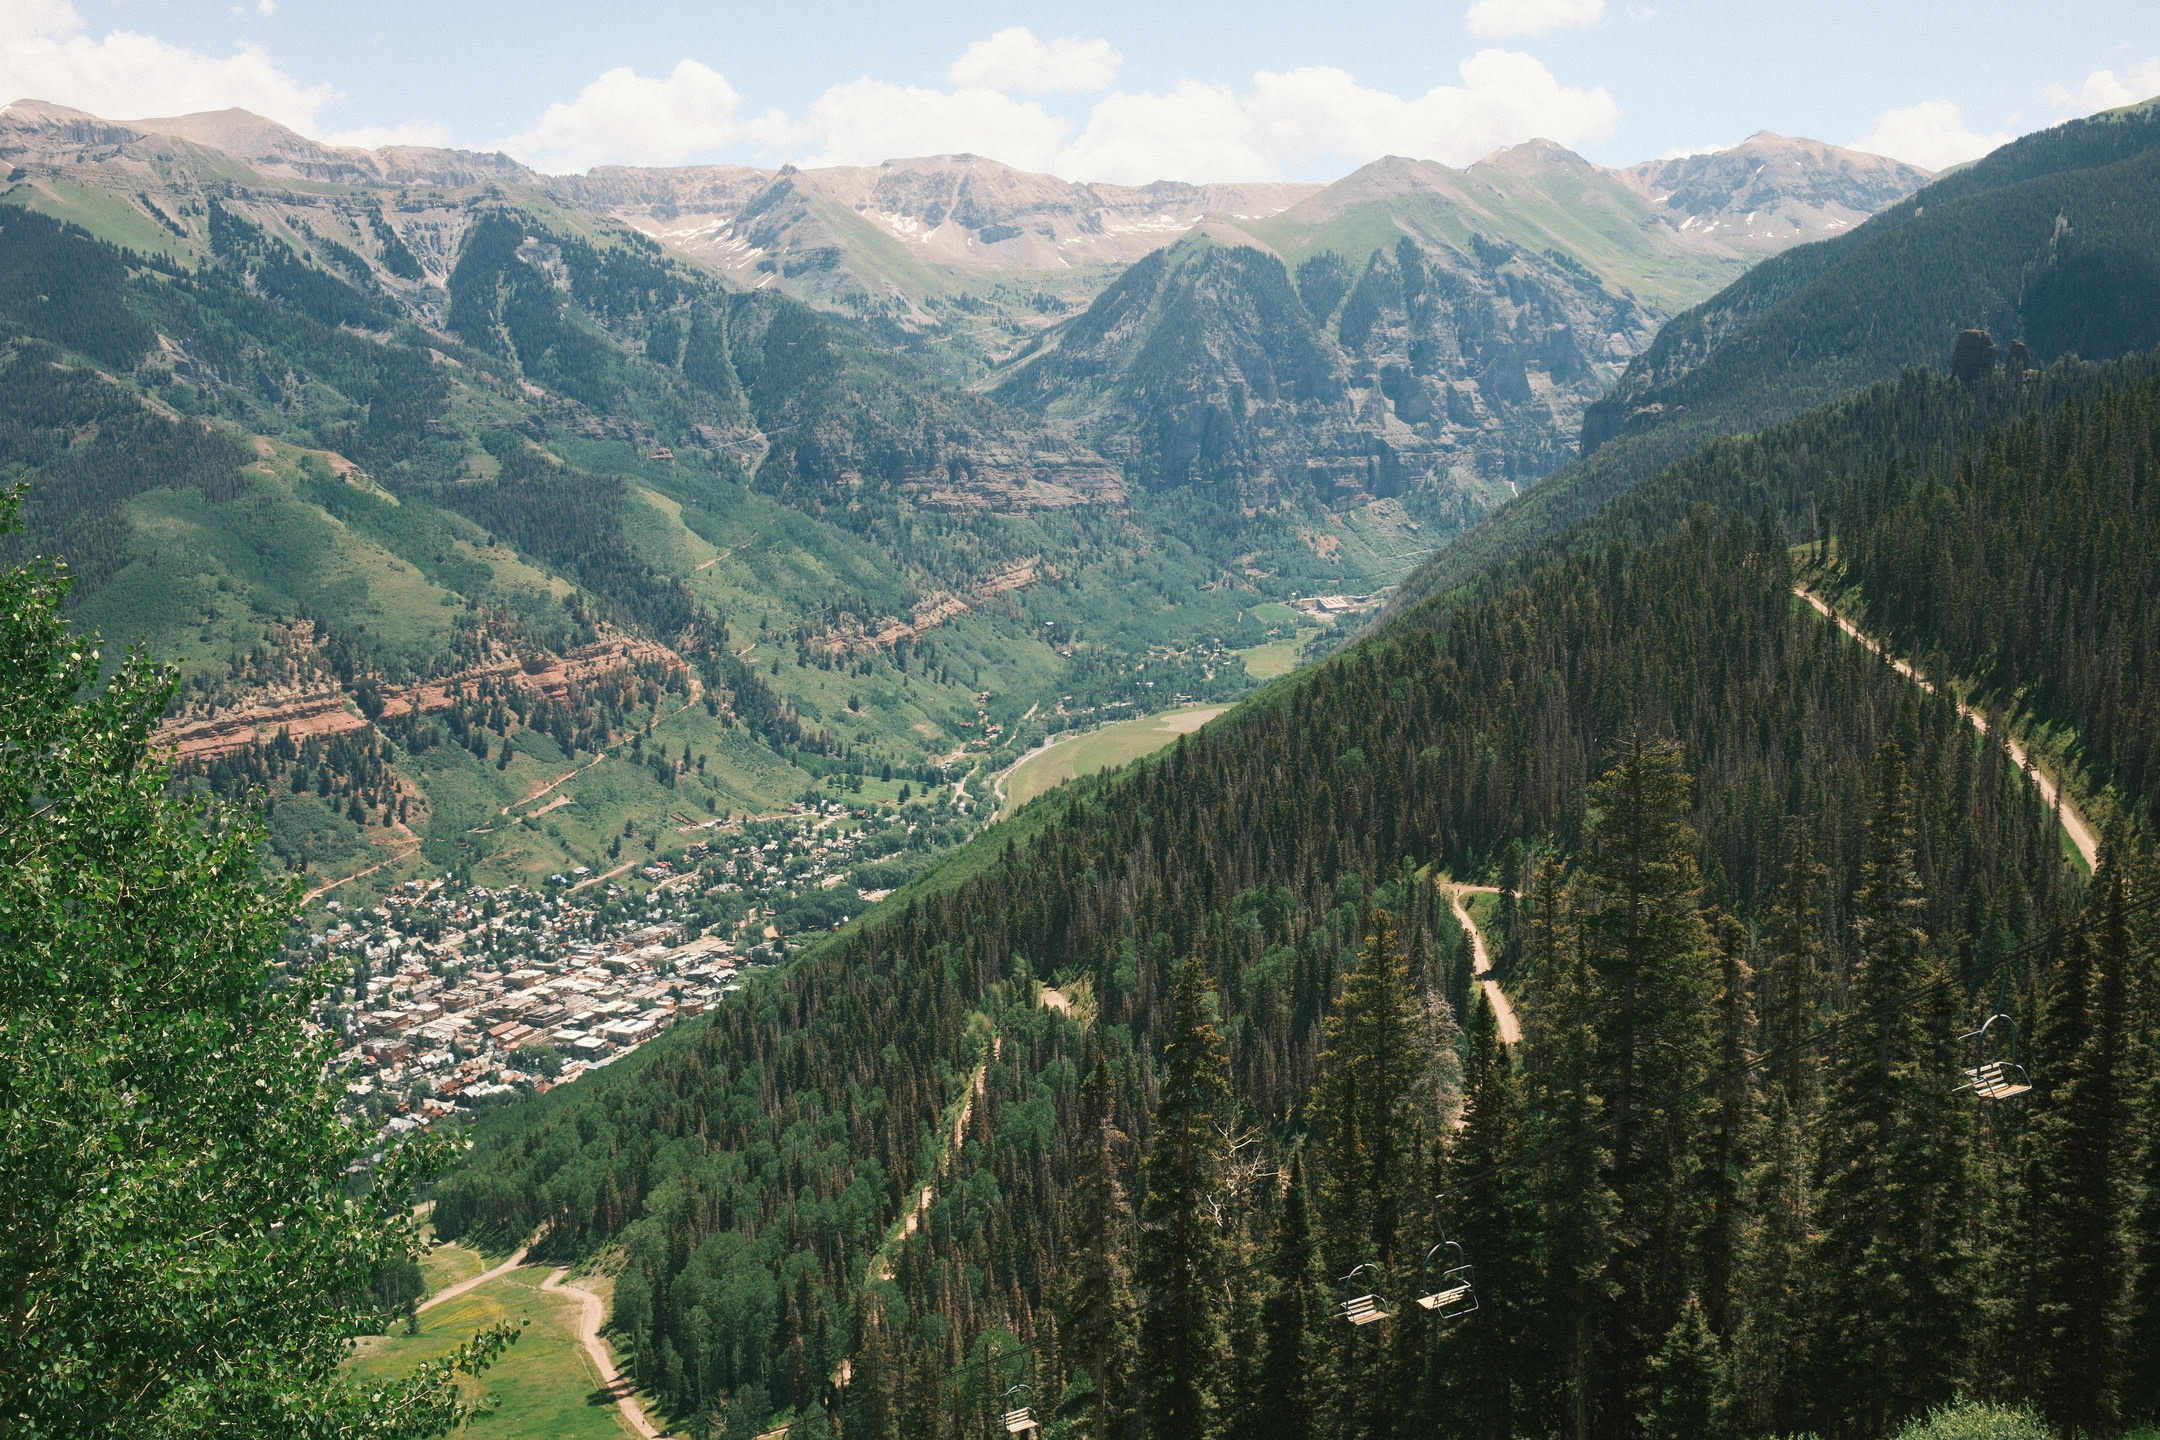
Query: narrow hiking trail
[620, 1390]
[1481, 960]
[2073, 823]
[321, 890]
[881, 1267]
[451, 1292]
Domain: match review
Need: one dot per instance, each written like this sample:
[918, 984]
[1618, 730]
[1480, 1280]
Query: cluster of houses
[465, 997]
[432, 1037]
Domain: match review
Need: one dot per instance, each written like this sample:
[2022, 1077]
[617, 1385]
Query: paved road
[2080, 833]
[517, 1258]
[589, 1322]
[1481, 960]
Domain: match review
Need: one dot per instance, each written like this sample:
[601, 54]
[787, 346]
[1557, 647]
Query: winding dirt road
[2080, 833]
[594, 1312]
[451, 1292]
[1481, 960]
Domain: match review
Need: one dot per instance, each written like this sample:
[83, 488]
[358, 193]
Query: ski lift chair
[1021, 1419]
[1361, 1309]
[1454, 1295]
[1995, 1073]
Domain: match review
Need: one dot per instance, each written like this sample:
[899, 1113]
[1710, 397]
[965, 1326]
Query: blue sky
[1114, 91]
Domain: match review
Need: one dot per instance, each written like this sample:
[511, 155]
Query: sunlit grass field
[544, 1386]
[1111, 746]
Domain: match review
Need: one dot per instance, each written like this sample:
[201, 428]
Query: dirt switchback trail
[451, 1292]
[2080, 833]
[1481, 960]
[589, 1335]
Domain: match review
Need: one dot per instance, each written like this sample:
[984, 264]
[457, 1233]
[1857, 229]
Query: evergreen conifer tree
[1768, 1363]
[2086, 1145]
[1685, 1381]
[1576, 1211]
[1369, 1137]
[1887, 1264]
[1181, 1244]
[1293, 1317]
[1098, 1301]
[1653, 963]
[873, 1399]
[1487, 1210]
[1794, 983]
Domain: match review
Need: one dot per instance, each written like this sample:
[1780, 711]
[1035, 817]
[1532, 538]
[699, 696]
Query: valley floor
[1066, 757]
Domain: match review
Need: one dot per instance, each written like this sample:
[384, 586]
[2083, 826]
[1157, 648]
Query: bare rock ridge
[838, 235]
[962, 210]
[41, 132]
[1769, 192]
[1416, 326]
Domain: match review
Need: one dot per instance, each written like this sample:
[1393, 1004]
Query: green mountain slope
[754, 1242]
[2053, 246]
[1443, 332]
[1537, 198]
[1421, 373]
[2048, 240]
[603, 473]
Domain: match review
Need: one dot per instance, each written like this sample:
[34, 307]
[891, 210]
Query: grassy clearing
[446, 1265]
[1484, 912]
[1277, 657]
[1109, 747]
[545, 1386]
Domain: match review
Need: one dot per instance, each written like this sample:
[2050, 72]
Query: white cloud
[1013, 59]
[46, 55]
[1196, 132]
[1506, 97]
[2105, 90]
[866, 121]
[1932, 135]
[1498, 18]
[627, 118]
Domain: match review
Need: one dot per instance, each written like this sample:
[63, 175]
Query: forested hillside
[1914, 420]
[1174, 1106]
[1757, 886]
[2049, 241]
[2028, 564]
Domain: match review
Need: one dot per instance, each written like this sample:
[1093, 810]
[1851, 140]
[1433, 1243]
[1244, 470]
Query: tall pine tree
[2085, 1139]
[1181, 1244]
[1653, 964]
[1886, 1267]
[1098, 1298]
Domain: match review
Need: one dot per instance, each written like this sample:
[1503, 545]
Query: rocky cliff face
[1446, 328]
[39, 132]
[1424, 369]
[594, 328]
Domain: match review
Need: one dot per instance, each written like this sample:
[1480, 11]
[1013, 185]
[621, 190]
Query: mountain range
[987, 402]
[1603, 999]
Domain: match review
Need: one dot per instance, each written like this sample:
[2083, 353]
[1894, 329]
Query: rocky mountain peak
[1536, 157]
[1772, 191]
[50, 124]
